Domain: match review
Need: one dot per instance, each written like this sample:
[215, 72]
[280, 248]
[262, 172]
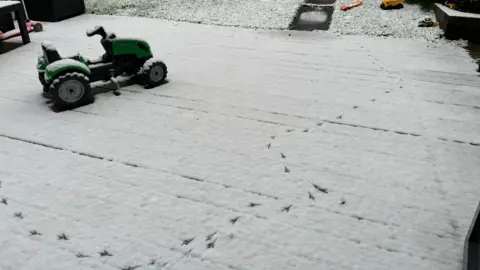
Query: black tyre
[41, 78]
[45, 86]
[38, 27]
[140, 78]
[71, 90]
[154, 73]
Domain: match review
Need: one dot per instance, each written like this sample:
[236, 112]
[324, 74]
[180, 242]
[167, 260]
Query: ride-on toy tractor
[67, 80]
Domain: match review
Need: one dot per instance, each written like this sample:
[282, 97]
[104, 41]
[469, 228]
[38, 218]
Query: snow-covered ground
[266, 150]
[245, 13]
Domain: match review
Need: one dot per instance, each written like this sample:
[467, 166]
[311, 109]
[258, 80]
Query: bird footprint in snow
[234, 220]
[211, 244]
[324, 190]
[130, 267]
[253, 204]
[62, 237]
[34, 232]
[186, 242]
[81, 255]
[209, 237]
[286, 208]
[105, 253]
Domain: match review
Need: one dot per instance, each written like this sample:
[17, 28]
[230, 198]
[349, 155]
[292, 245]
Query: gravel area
[370, 19]
[245, 13]
[367, 19]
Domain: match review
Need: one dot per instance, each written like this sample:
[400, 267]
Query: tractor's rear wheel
[155, 73]
[43, 82]
[42, 78]
[71, 90]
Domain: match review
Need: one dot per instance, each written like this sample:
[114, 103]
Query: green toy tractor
[67, 80]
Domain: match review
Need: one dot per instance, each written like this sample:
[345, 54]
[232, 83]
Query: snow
[216, 169]
[92, 30]
[56, 81]
[95, 60]
[367, 19]
[40, 58]
[246, 13]
[65, 63]
[6, 3]
[48, 45]
[148, 64]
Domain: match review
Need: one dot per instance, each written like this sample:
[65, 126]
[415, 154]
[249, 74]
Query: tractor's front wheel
[155, 73]
[71, 90]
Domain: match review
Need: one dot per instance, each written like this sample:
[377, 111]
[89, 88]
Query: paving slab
[312, 17]
[265, 150]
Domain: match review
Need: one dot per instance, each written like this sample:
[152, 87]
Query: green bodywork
[41, 64]
[138, 47]
[50, 71]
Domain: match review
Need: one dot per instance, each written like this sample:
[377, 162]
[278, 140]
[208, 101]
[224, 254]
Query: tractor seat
[50, 52]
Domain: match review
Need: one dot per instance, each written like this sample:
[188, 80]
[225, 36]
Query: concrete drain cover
[309, 18]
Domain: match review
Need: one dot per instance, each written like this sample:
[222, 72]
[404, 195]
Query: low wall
[457, 24]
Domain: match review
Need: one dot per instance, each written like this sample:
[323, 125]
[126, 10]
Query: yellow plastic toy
[392, 4]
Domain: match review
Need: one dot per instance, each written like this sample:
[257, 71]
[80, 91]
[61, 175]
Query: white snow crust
[265, 150]
[64, 63]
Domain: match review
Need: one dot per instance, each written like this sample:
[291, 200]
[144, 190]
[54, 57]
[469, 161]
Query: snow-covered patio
[266, 150]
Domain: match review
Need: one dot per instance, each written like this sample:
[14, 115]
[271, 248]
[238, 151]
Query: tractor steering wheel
[98, 30]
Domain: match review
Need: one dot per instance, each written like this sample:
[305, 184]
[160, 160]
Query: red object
[352, 5]
[31, 26]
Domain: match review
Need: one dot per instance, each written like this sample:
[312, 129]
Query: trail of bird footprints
[210, 239]
[283, 156]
